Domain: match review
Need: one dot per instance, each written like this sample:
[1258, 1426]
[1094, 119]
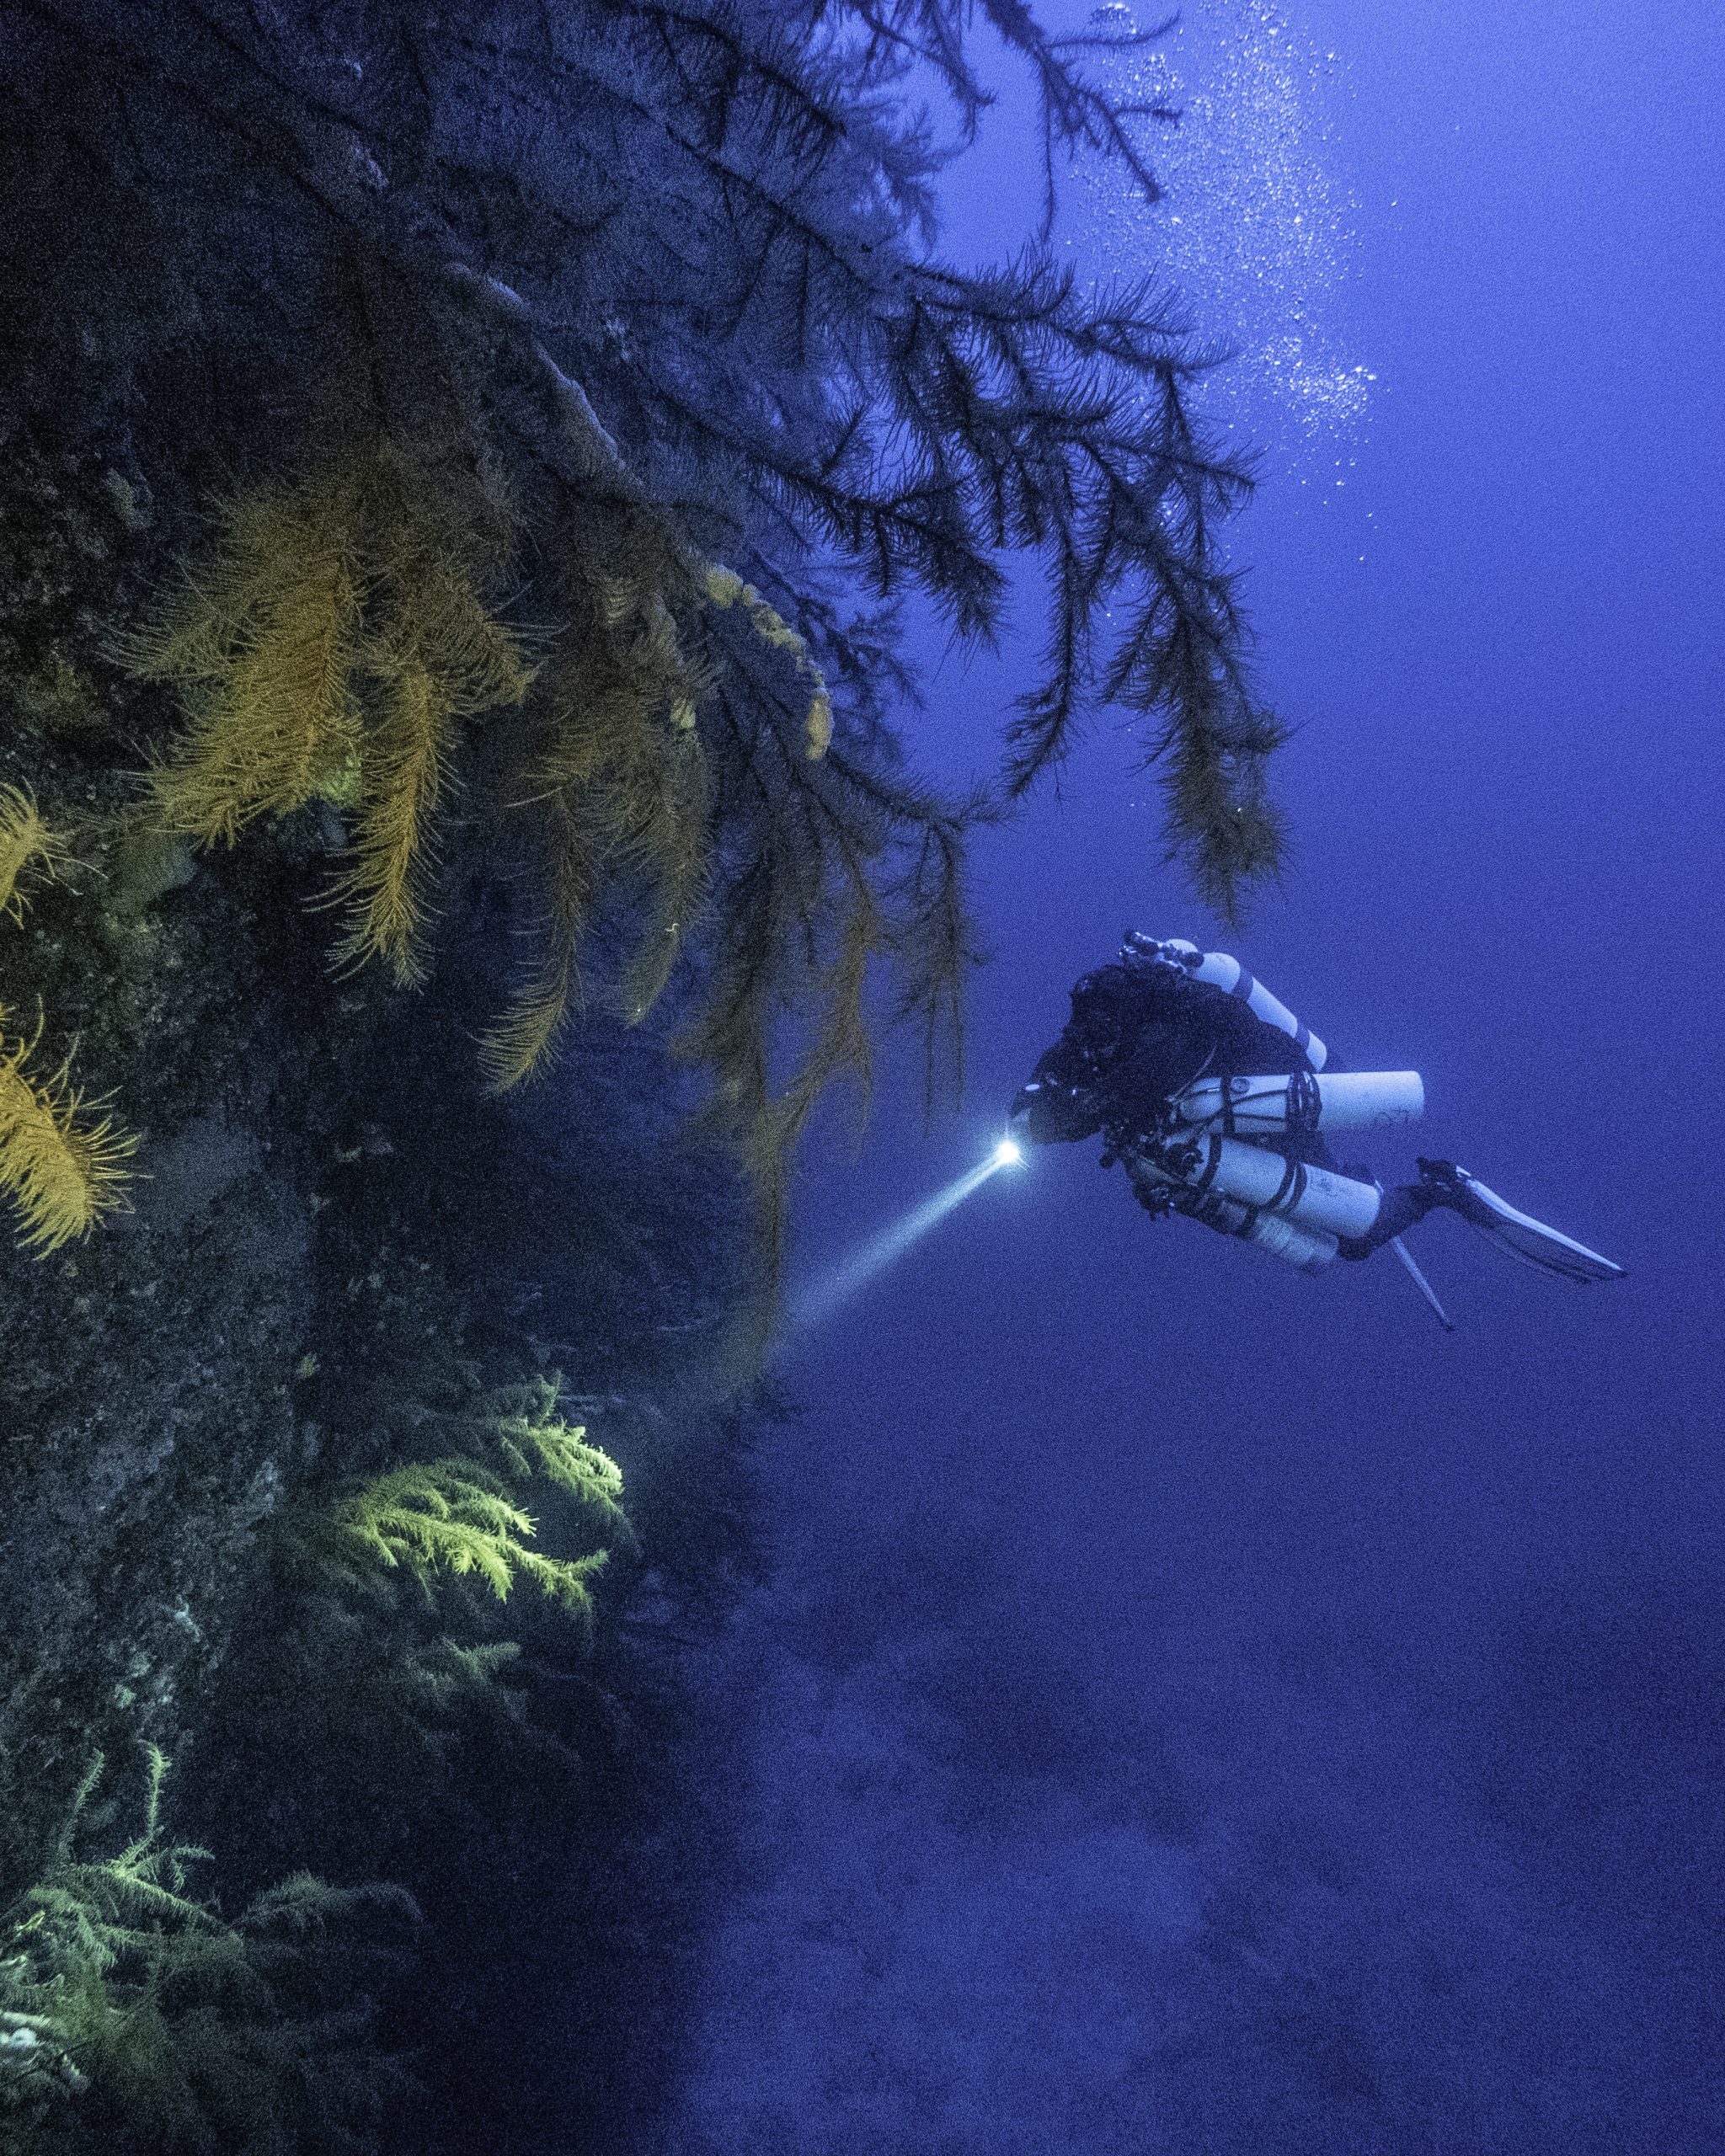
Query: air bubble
[1253, 233]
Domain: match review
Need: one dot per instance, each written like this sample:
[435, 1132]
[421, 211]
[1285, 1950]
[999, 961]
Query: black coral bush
[633, 393]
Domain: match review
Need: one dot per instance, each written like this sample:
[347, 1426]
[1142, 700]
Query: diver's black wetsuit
[1141, 1032]
[1138, 1035]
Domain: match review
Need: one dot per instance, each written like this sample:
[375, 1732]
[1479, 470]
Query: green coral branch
[120, 1989]
[453, 1516]
[521, 1424]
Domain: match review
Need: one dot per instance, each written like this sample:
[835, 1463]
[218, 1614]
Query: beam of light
[851, 1275]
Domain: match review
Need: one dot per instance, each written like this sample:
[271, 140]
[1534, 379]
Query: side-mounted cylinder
[1272, 1106]
[1308, 1249]
[1268, 1183]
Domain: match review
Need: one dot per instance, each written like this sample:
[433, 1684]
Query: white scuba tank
[1253, 1176]
[1308, 1249]
[1342, 1100]
[1228, 974]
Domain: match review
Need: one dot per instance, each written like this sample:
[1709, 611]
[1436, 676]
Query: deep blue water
[1204, 1708]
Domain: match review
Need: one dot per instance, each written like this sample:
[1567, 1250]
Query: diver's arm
[1055, 1107]
[1072, 1091]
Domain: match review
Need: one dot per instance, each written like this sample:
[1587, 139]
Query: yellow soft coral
[434, 654]
[26, 843]
[620, 780]
[262, 645]
[60, 1164]
[674, 769]
[329, 649]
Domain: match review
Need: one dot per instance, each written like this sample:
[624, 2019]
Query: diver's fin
[1514, 1233]
[1420, 1281]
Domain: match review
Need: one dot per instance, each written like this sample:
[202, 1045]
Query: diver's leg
[1404, 1205]
[1441, 1182]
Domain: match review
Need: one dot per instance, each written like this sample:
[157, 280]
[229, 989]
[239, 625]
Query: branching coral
[617, 781]
[720, 228]
[435, 656]
[263, 644]
[121, 1987]
[328, 647]
[523, 1425]
[451, 1516]
[679, 753]
[458, 1515]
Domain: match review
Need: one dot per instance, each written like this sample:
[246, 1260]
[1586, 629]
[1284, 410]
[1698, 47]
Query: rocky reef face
[331, 1240]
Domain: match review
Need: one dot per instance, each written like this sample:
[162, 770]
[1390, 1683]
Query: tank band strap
[1305, 1100]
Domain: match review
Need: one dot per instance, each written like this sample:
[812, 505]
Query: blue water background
[1204, 1709]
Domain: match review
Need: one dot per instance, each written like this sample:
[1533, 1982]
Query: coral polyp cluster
[726, 588]
[27, 846]
[61, 1159]
[62, 1162]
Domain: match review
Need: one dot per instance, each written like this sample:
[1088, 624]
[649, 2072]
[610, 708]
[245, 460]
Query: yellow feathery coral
[523, 1041]
[667, 839]
[437, 656]
[443, 660]
[262, 645]
[731, 1033]
[62, 1169]
[26, 843]
[341, 635]
[620, 782]
[406, 771]
[330, 648]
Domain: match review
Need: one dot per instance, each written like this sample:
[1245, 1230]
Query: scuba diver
[1218, 1102]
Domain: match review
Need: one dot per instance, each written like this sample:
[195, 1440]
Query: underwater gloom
[585, 586]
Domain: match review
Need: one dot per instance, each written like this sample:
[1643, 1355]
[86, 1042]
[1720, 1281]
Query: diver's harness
[1211, 1153]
